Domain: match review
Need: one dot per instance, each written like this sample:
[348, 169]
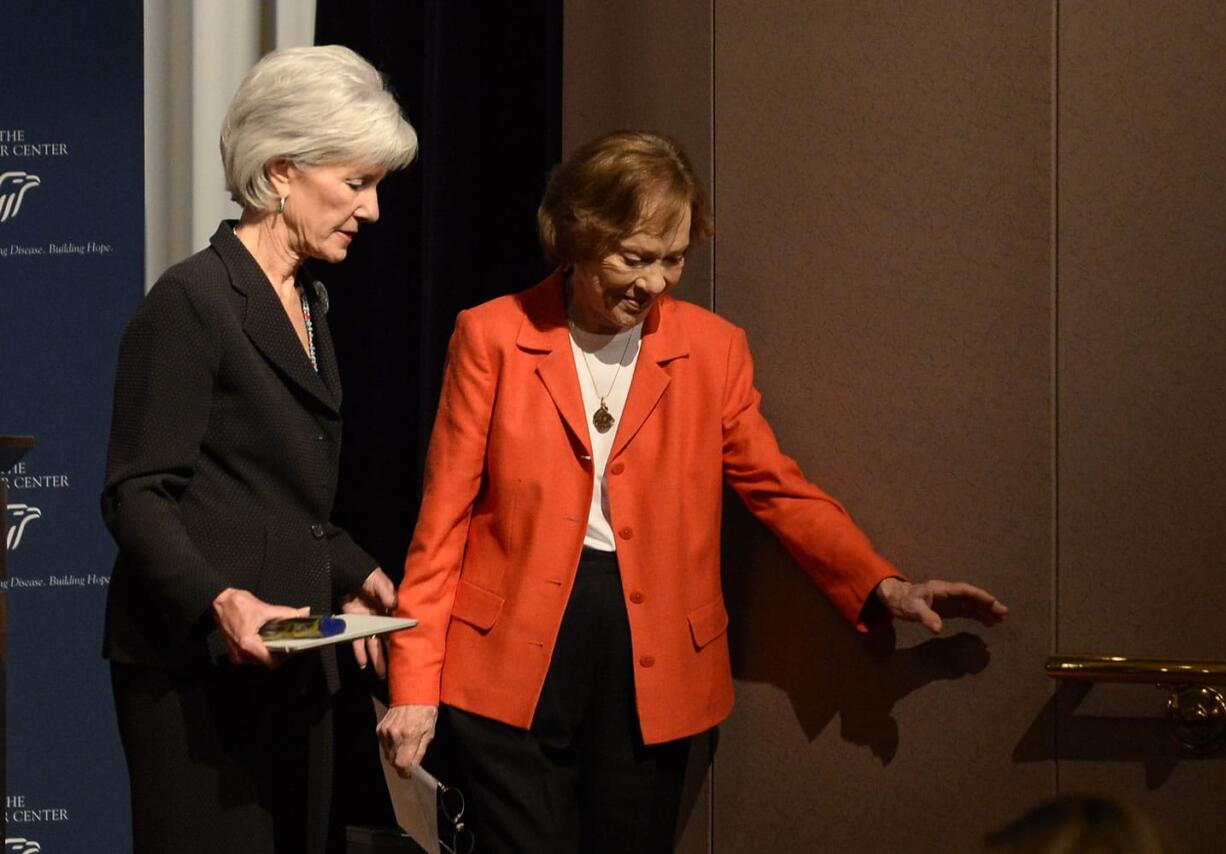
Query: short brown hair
[597, 197]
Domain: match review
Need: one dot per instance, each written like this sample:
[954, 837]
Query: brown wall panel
[643, 65]
[883, 176]
[1142, 408]
[1040, 409]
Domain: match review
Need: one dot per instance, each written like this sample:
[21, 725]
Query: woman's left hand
[926, 603]
[377, 595]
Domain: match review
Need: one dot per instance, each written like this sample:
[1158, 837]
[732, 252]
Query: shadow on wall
[1058, 732]
[784, 632]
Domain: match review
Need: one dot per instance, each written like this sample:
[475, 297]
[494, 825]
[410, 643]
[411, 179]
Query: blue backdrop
[71, 249]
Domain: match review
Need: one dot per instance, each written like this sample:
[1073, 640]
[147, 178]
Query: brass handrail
[1195, 712]
[1154, 671]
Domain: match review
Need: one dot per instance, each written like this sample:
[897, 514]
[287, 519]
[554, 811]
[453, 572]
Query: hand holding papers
[417, 801]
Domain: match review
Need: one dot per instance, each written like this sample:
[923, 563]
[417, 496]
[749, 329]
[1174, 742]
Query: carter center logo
[13, 188]
[16, 845]
[20, 515]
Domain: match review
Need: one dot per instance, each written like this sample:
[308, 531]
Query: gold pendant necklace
[602, 418]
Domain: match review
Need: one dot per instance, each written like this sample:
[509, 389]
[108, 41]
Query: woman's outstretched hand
[930, 602]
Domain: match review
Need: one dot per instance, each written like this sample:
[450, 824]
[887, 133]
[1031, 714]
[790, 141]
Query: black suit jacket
[222, 465]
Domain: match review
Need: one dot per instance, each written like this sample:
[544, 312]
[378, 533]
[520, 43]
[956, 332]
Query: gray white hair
[310, 106]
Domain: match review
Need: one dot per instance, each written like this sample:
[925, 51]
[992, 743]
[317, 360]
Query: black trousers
[581, 779]
[227, 759]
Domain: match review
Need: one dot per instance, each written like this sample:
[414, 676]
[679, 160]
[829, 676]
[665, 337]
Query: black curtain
[481, 83]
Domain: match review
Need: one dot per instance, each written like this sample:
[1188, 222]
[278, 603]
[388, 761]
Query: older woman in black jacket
[222, 471]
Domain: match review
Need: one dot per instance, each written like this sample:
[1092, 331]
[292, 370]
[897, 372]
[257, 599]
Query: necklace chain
[602, 418]
[310, 328]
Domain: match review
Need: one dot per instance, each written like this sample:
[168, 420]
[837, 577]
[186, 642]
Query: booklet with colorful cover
[351, 627]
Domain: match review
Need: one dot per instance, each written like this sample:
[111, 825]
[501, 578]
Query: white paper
[414, 800]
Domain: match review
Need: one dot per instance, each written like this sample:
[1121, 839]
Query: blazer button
[317, 531]
[637, 597]
[626, 533]
[647, 661]
[617, 468]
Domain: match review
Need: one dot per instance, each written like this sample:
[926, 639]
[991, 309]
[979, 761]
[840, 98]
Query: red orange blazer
[505, 507]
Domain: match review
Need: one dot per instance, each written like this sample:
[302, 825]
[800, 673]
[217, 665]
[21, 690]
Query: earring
[281, 205]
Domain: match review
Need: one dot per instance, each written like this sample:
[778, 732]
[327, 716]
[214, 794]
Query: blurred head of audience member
[1081, 825]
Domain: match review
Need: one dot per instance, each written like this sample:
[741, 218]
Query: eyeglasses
[451, 808]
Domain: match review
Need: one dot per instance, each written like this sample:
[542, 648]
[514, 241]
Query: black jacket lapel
[267, 325]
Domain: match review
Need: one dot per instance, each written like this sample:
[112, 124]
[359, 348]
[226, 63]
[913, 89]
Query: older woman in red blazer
[565, 564]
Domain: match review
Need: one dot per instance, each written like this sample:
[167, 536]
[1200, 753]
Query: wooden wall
[977, 249]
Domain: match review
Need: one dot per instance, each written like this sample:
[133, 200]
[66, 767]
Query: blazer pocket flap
[708, 622]
[477, 607]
